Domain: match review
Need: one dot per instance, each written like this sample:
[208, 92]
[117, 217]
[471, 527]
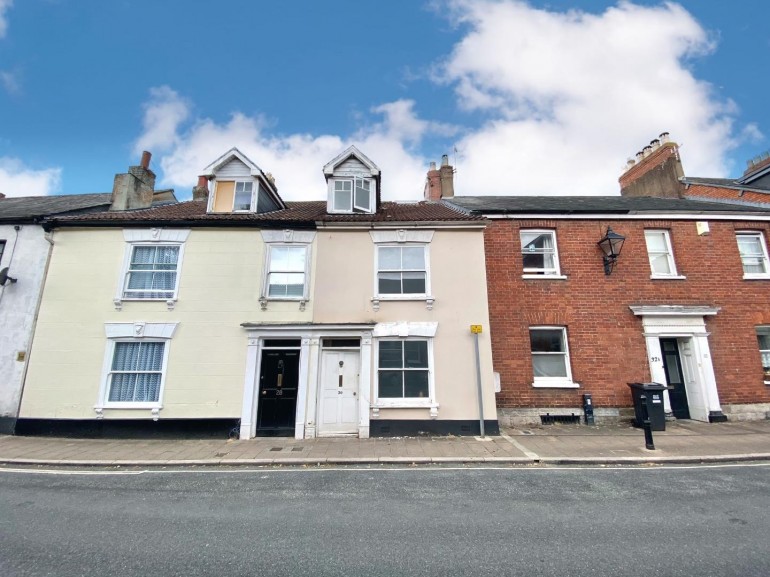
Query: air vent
[549, 419]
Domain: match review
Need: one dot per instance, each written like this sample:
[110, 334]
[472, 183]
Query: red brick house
[686, 303]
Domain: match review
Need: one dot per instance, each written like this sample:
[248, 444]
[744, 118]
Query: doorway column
[311, 427]
[706, 369]
[657, 370]
[248, 408]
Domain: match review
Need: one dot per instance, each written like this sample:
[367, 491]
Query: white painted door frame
[310, 336]
[687, 325]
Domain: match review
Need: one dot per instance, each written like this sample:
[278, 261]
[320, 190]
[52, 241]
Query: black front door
[672, 364]
[277, 404]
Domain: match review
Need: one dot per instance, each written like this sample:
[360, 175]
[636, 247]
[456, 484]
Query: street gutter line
[658, 467]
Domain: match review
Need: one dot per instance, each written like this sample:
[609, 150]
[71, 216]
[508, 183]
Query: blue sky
[526, 97]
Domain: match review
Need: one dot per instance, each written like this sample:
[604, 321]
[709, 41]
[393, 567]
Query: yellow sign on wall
[476, 329]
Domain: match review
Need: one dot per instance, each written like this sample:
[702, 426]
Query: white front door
[696, 395]
[338, 406]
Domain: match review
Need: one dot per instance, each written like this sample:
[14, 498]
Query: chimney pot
[146, 156]
[445, 160]
[664, 137]
[203, 181]
[646, 151]
[432, 166]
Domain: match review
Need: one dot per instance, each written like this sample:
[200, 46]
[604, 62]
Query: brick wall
[702, 192]
[607, 347]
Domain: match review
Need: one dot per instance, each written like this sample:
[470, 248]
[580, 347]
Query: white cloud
[16, 179]
[564, 98]
[295, 160]
[163, 114]
[5, 5]
[570, 95]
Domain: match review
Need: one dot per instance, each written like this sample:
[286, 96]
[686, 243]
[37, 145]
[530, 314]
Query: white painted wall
[26, 254]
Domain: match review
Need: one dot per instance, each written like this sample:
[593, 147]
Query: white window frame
[763, 244]
[555, 273]
[353, 206]
[287, 238]
[669, 253]
[2, 249]
[554, 382]
[402, 296]
[150, 237]
[268, 271]
[254, 191]
[405, 402]
[766, 331]
[402, 237]
[133, 333]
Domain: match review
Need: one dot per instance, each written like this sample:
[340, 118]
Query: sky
[526, 97]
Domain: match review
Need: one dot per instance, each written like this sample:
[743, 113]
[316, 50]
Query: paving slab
[682, 441]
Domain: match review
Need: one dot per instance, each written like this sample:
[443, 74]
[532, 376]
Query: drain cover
[297, 449]
[276, 448]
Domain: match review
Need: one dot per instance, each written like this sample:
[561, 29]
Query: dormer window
[352, 195]
[239, 185]
[354, 183]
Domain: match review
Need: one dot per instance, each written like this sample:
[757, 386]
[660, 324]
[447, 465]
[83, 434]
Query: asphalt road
[657, 521]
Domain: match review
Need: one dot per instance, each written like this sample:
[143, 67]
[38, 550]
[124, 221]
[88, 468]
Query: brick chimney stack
[440, 182]
[655, 172]
[201, 191]
[433, 183]
[134, 189]
[756, 164]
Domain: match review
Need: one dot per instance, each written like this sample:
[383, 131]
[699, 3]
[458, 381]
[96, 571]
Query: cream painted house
[239, 312]
[25, 250]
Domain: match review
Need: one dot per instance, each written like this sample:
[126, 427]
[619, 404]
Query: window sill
[667, 277]
[170, 302]
[122, 406]
[756, 277]
[263, 301]
[555, 384]
[404, 404]
[154, 408]
[429, 300]
[544, 277]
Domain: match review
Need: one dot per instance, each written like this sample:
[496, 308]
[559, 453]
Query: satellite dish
[4, 278]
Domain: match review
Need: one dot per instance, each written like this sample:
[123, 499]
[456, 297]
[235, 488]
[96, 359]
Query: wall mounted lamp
[611, 245]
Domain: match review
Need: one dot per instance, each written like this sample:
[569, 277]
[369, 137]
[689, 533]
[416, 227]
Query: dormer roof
[228, 156]
[234, 154]
[330, 167]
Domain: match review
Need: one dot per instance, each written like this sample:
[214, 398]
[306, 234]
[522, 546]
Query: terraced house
[238, 312]
[25, 250]
[588, 294]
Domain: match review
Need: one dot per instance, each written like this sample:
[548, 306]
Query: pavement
[683, 441]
